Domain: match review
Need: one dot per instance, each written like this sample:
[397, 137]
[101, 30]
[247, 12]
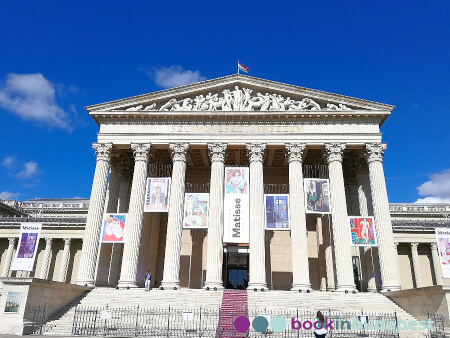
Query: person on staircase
[319, 328]
[148, 281]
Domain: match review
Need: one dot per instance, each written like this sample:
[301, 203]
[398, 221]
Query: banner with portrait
[362, 231]
[27, 247]
[317, 195]
[443, 245]
[157, 194]
[236, 205]
[277, 211]
[196, 207]
[113, 228]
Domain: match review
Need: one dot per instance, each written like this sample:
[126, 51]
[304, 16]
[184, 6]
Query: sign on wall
[196, 207]
[362, 231]
[113, 228]
[277, 212]
[317, 196]
[157, 194]
[13, 299]
[443, 244]
[27, 247]
[236, 205]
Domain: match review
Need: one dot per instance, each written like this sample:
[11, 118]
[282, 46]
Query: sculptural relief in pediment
[239, 99]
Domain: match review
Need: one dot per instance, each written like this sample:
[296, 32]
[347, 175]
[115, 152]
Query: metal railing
[438, 327]
[36, 320]
[153, 322]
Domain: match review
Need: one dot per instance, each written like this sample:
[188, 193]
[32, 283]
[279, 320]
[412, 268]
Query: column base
[122, 284]
[170, 285]
[390, 288]
[211, 285]
[85, 282]
[348, 288]
[303, 287]
[257, 286]
[331, 289]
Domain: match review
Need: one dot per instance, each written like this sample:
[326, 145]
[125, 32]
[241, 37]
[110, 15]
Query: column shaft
[65, 260]
[416, 265]
[215, 218]
[9, 256]
[257, 218]
[47, 258]
[342, 239]
[135, 214]
[86, 270]
[328, 243]
[436, 263]
[171, 275]
[299, 238]
[386, 251]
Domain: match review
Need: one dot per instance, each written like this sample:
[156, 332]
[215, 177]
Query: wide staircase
[229, 303]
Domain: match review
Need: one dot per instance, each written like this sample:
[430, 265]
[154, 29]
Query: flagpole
[238, 66]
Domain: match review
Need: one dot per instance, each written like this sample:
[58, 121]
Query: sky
[59, 56]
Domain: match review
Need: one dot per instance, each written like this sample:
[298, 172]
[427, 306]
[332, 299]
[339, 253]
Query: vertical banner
[236, 205]
[196, 207]
[362, 231]
[443, 243]
[277, 212]
[113, 228]
[27, 247]
[317, 196]
[13, 299]
[157, 194]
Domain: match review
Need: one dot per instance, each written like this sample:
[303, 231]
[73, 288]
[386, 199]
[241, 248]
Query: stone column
[328, 252]
[65, 260]
[299, 238]
[416, 265]
[383, 227]
[341, 234]
[135, 214]
[436, 263]
[9, 256]
[321, 254]
[88, 261]
[214, 254]
[257, 217]
[47, 258]
[171, 275]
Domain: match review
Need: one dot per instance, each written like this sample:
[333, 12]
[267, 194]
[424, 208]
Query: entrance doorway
[235, 268]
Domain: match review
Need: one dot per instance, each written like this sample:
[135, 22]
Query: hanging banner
[236, 205]
[443, 244]
[196, 207]
[27, 247]
[13, 299]
[362, 231]
[277, 212]
[113, 228]
[157, 194]
[317, 196]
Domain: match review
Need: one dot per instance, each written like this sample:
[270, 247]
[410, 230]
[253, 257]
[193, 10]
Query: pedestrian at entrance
[148, 281]
[320, 331]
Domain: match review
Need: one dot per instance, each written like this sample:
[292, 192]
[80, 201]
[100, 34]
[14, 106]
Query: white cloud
[32, 97]
[8, 162]
[6, 195]
[175, 76]
[437, 189]
[30, 169]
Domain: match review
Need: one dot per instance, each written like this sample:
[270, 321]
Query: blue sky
[58, 57]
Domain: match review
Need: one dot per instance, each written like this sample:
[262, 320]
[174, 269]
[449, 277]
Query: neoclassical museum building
[280, 136]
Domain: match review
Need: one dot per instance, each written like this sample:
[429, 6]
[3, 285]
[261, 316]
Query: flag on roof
[242, 67]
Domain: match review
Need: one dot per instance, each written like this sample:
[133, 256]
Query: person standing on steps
[319, 328]
[148, 280]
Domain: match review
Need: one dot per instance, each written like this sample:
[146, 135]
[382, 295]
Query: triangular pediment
[238, 93]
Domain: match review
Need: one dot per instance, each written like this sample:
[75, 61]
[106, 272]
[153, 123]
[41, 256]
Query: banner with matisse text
[236, 206]
[27, 247]
[443, 244]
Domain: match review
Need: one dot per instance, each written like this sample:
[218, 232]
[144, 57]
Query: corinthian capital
[217, 152]
[102, 151]
[334, 152]
[140, 151]
[12, 241]
[295, 151]
[255, 152]
[178, 151]
[374, 152]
